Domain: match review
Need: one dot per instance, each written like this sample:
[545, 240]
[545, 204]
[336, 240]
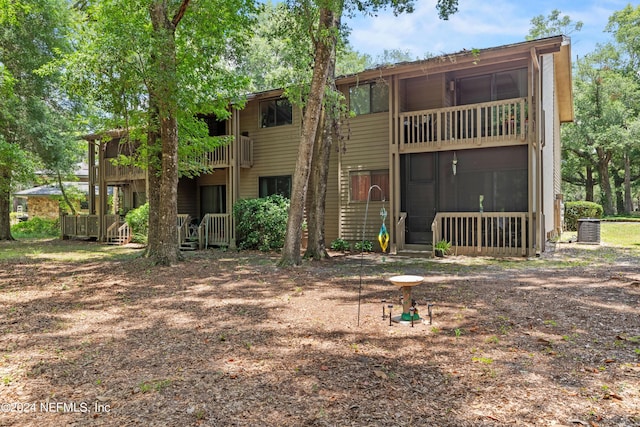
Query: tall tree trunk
[318, 179]
[589, 184]
[628, 201]
[604, 158]
[154, 161]
[5, 204]
[618, 182]
[164, 250]
[325, 43]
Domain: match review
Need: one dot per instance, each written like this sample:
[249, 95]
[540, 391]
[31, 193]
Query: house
[44, 201]
[463, 148]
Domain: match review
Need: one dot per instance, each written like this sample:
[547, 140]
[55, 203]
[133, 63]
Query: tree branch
[180, 13]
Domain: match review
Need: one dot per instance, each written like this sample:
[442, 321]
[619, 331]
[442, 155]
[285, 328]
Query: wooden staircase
[118, 233]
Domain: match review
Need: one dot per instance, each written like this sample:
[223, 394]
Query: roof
[52, 190]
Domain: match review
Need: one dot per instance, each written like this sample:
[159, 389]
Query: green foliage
[365, 246]
[576, 210]
[36, 228]
[443, 245]
[261, 223]
[552, 25]
[340, 245]
[138, 220]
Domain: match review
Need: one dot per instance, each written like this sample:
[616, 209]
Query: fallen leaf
[381, 374]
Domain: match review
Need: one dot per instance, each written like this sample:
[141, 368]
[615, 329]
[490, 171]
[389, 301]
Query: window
[362, 181]
[369, 98]
[270, 185]
[276, 112]
[493, 87]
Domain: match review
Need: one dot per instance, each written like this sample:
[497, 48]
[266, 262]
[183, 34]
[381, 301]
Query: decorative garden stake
[384, 302]
[390, 306]
[411, 311]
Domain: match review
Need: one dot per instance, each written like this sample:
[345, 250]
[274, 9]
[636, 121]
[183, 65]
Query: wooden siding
[188, 197]
[367, 149]
[274, 149]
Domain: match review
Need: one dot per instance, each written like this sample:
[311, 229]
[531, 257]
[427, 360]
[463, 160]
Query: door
[213, 199]
[418, 200]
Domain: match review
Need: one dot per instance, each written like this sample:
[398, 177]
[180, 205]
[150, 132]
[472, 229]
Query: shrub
[365, 246]
[36, 228]
[138, 220]
[576, 210]
[340, 245]
[261, 223]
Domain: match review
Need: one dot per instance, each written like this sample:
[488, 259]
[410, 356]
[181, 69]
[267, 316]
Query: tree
[605, 107]
[324, 32]
[32, 112]
[552, 25]
[153, 67]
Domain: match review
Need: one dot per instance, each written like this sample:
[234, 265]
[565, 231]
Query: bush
[36, 228]
[365, 246]
[261, 223]
[576, 210]
[340, 245]
[138, 220]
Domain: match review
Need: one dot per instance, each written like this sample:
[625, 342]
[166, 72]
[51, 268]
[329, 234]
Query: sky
[478, 24]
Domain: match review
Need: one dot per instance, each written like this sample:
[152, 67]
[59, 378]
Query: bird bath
[406, 283]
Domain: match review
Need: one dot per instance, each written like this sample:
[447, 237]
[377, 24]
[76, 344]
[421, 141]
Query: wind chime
[383, 235]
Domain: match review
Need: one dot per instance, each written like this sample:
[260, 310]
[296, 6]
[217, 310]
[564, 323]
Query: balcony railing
[122, 173]
[220, 157]
[503, 121]
[482, 233]
[79, 226]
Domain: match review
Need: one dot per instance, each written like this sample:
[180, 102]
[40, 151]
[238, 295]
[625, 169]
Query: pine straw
[228, 339]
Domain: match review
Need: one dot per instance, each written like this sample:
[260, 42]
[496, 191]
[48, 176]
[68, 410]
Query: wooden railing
[118, 233]
[498, 121]
[245, 152]
[122, 173]
[482, 233]
[400, 231]
[79, 226]
[221, 156]
[215, 230]
[183, 223]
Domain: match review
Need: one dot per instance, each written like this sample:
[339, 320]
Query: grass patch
[63, 251]
[624, 234]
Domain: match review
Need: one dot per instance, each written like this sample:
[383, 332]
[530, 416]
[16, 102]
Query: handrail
[214, 229]
[400, 231]
[482, 233]
[183, 222]
[504, 120]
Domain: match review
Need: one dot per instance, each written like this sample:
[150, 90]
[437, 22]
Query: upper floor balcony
[488, 123]
[218, 158]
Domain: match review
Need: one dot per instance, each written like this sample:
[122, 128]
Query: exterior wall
[274, 149]
[43, 207]
[551, 135]
[423, 93]
[367, 149]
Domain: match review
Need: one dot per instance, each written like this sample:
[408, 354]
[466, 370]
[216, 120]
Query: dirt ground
[229, 339]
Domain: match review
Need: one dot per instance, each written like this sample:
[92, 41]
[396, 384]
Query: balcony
[221, 156]
[120, 173]
[488, 123]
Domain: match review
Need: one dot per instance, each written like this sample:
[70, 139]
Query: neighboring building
[466, 148]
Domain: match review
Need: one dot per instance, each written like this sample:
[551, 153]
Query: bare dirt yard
[229, 339]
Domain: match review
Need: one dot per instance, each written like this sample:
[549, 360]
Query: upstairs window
[275, 112]
[369, 98]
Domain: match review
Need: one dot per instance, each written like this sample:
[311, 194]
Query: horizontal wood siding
[188, 197]
[275, 149]
[366, 150]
